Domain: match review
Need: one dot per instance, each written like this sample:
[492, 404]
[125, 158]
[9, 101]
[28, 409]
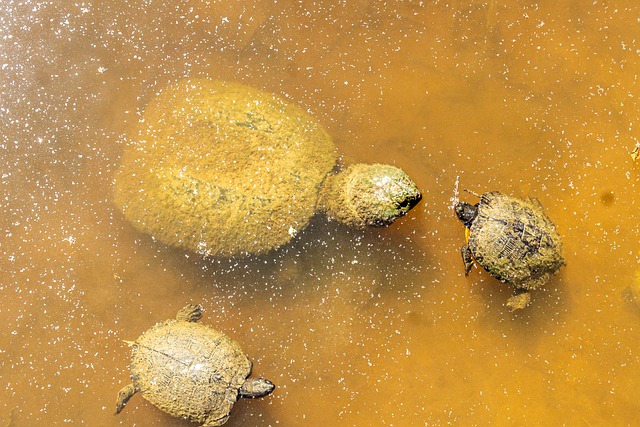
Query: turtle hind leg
[123, 397]
[519, 300]
[190, 313]
[467, 258]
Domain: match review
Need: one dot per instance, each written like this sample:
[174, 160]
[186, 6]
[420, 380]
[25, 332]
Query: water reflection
[357, 328]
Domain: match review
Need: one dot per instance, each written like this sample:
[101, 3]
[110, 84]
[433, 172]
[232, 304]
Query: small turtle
[191, 371]
[224, 169]
[513, 240]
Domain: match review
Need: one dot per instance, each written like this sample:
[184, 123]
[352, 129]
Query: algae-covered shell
[220, 168]
[173, 364]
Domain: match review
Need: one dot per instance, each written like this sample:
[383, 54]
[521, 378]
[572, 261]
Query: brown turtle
[224, 169]
[190, 370]
[513, 240]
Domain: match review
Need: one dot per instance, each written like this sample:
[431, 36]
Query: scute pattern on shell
[189, 370]
[515, 241]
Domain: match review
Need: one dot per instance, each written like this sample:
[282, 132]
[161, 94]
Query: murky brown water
[355, 328]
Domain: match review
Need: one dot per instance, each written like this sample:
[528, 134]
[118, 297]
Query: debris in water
[456, 194]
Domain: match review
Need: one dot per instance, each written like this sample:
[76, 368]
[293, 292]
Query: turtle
[224, 169]
[190, 370]
[513, 240]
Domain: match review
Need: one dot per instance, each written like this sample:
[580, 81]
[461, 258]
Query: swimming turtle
[513, 240]
[224, 169]
[190, 370]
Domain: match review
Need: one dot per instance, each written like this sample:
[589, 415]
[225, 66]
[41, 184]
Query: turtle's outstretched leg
[123, 397]
[519, 300]
[190, 313]
[467, 258]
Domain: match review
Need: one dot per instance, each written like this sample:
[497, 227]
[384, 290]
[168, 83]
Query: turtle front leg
[190, 313]
[467, 258]
[123, 397]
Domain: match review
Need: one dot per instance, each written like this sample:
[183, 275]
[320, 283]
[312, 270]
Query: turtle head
[384, 193]
[256, 387]
[369, 195]
[466, 213]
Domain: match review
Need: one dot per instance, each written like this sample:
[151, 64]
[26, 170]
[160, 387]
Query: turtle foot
[467, 259]
[190, 313]
[519, 301]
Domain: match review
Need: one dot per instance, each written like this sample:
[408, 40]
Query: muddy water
[355, 328]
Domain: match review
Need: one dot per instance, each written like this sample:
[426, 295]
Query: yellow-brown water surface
[355, 328]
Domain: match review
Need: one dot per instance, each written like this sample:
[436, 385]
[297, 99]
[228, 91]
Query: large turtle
[513, 240]
[224, 169]
[190, 371]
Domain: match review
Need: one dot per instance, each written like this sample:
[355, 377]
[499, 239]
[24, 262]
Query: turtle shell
[515, 241]
[221, 168]
[189, 370]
